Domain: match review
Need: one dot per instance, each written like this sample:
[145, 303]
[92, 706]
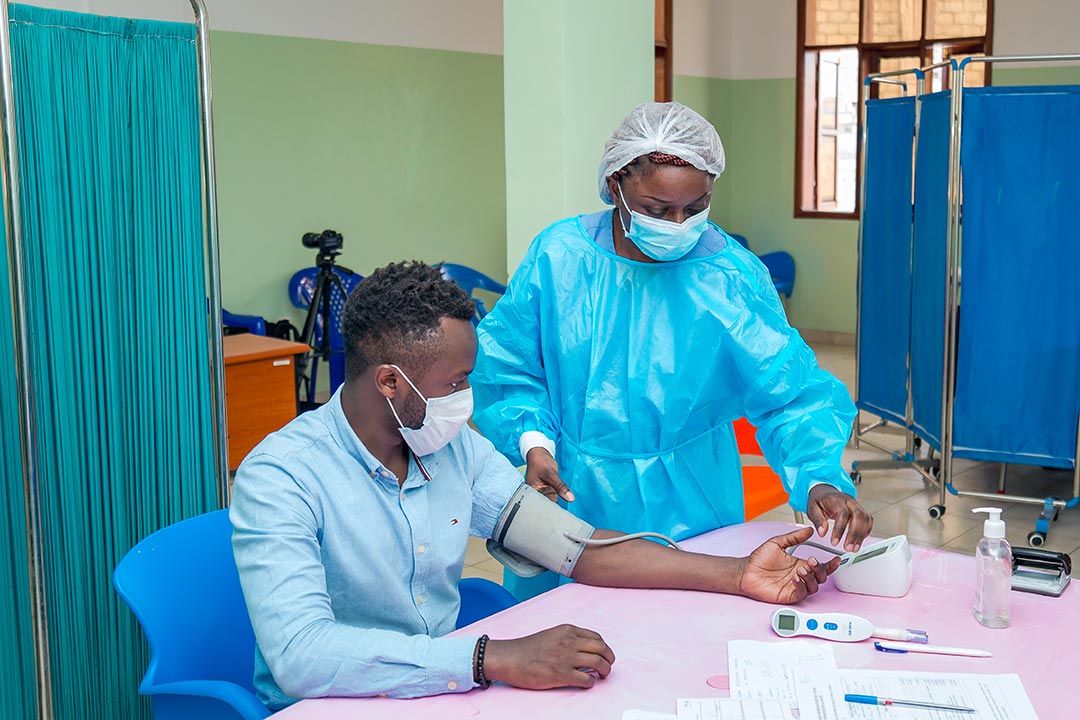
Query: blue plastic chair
[480, 598]
[781, 267]
[252, 323]
[301, 288]
[471, 280]
[183, 586]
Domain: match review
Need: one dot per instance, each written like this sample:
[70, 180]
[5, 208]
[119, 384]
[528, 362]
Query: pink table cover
[667, 643]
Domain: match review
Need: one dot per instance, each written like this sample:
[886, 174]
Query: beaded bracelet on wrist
[478, 670]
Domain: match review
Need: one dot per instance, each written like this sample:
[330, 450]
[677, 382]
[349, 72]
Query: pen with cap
[875, 700]
[918, 647]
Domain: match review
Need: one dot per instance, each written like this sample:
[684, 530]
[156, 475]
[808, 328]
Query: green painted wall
[711, 97]
[403, 151]
[564, 96]
[1019, 75]
[756, 119]
[399, 149]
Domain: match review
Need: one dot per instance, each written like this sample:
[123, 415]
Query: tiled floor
[899, 499]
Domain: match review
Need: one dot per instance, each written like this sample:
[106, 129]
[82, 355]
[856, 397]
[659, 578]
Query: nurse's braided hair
[393, 316]
[651, 160]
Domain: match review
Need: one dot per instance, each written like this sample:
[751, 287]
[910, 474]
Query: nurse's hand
[827, 503]
[542, 475]
[771, 575]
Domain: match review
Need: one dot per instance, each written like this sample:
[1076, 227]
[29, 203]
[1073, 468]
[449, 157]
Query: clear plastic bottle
[993, 572]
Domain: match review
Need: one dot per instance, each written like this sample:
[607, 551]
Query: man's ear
[386, 380]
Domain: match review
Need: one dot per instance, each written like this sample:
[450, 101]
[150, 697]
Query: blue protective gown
[637, 371]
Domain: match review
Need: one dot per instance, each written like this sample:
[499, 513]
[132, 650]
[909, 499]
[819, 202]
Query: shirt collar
[347, 438]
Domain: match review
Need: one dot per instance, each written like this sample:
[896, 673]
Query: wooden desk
[260, 389]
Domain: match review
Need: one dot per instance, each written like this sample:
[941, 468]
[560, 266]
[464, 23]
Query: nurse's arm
[768, 574]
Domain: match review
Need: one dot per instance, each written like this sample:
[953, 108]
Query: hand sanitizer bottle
[993, 572]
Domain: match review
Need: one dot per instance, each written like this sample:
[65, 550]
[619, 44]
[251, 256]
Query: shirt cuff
[453, 658]
[532, 439]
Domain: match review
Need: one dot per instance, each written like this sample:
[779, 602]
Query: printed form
[994, 697]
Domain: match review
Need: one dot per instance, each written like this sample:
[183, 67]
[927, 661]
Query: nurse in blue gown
[629, 340]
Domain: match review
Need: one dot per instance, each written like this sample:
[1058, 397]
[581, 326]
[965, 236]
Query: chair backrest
[254, 324]
[301, 289]
[480, 598]
[781, 267]
[471, 280]
[183, 586]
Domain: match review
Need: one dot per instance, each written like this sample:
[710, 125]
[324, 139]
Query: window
[842, 41]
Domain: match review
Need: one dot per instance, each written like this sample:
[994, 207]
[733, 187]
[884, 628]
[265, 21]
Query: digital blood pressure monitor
[883, 568]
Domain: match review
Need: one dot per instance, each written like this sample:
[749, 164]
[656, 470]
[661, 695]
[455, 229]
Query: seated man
[350, 524]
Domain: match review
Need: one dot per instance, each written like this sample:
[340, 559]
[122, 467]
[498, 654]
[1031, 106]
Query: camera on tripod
[328, 241]
[326, 291]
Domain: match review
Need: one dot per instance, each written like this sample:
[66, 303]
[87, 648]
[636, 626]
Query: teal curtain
[115, 261]
[17, 657]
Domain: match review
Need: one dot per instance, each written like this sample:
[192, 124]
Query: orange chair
[762, 489]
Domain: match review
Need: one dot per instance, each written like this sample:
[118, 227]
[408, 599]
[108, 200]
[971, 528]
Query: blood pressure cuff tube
[530, 536]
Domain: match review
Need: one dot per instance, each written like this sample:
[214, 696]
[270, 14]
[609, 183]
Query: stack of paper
[803, 674]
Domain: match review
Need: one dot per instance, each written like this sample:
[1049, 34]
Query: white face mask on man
[443, 419]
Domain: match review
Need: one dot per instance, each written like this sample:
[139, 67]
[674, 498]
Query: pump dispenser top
[994, 527]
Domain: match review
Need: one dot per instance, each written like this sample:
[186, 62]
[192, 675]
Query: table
[260, 389]
[667, 643]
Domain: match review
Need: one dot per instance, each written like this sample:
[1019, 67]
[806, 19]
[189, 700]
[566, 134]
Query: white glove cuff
[532, 439]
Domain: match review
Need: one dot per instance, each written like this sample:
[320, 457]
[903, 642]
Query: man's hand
[827, 503]
[542, 475]
[559, 657]
[771, 575]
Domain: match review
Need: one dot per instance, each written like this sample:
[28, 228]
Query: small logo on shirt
[454, 521]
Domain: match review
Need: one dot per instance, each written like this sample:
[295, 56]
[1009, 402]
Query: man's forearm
[646, 564]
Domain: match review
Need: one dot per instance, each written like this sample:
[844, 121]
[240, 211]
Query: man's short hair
[393, 316]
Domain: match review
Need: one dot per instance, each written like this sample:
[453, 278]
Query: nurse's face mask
[663, 240]
[443, 419]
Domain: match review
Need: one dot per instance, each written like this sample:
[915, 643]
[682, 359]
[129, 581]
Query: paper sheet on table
[730, 709]
[994, 697]
[647, 715]
[770, 670]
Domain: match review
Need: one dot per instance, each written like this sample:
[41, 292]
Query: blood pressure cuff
[530, 536]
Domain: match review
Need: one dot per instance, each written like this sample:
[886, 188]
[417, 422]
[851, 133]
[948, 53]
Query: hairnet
[669, 128]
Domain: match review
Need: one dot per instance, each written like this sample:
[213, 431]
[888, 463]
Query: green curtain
[115, 262]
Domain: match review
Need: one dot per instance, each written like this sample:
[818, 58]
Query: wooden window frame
[870, 55]
[662, 52]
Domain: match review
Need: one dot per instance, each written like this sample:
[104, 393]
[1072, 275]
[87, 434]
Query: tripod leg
[306, 362]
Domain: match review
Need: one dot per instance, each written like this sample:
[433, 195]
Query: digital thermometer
[827, 626]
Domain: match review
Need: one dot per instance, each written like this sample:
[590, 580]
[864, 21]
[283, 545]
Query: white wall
[463, 25]
[735, 39]
[702, 37]
[1036, 27]
[763, 38]
[755, 39]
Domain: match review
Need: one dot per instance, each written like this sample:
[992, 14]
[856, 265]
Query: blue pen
[875, 700]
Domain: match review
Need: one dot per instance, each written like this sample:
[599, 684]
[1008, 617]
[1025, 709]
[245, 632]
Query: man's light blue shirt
[351, 580]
